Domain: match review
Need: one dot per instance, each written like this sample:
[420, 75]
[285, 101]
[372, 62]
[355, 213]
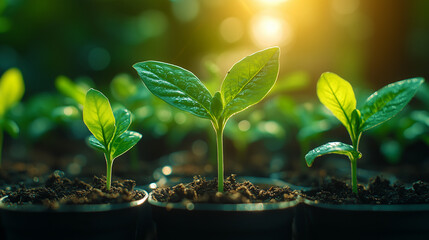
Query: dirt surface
[379, 191]
[60, 190]
[205, 191]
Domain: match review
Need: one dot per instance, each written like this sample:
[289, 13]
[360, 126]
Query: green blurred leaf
[10, 127]
[124, 142]
[98, 116]
[176, 86]
[250, 80]
[11, 89]
[68, 88]
[338, 96]
[330, 148]
[388, 101]
[123, 87]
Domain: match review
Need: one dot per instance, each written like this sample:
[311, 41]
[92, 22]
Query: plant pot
[330, 221]
[98, 221]
[224, 221]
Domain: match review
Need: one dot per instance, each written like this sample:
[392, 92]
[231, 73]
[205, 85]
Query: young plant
[246, 83]
[109, 129]
[338, 96]
[11, 92]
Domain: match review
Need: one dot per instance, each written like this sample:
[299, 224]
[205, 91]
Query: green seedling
[109, 129]
[338, 96]
[247, 83]
[11, 92]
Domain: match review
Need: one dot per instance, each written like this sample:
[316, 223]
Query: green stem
[354, 175]
[219, 141]
[108, 172]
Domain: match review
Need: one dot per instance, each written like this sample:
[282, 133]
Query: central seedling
[247, 83]
[109, 129]
[338, 96]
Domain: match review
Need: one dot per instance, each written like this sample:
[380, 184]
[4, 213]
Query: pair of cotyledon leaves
[247, 82]
[338, 96]
[109, 129]
[11, 91]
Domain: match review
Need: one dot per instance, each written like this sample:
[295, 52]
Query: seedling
[11, 92]
[109, 129]
[247, 83]
[338, 96]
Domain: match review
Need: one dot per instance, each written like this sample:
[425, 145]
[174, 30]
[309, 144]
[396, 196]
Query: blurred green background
[95, 43]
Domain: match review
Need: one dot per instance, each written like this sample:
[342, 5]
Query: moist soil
[378, 191]
[59, 190]
[201, 190]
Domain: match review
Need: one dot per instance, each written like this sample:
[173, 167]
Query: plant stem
[219, 141]
[354, 175]
[108, 172]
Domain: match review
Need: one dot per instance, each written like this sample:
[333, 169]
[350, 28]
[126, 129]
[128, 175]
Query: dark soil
[60, 190]
[205, 191]
[379, 191]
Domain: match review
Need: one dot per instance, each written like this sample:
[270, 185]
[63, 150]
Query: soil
[201, 190]
[59, 190]
[378, 191]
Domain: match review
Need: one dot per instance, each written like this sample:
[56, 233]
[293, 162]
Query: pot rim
[229, 207]
[73, 208]
[417, 207]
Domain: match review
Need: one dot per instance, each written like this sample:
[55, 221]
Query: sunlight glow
[268, 31]
[271, 2]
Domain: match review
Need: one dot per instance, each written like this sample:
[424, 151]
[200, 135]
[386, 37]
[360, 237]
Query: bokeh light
[268, 30]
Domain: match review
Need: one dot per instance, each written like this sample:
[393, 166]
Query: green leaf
[330, 148]
[176, 86]
[98, 117]
[356, 122]
[216, 106]
[338, 96]
[388, 101]
[11, 89]
[123, 87]
[70, 89]
[93, 142]
[122, 120]
[124, 143]
[250, 80]
[10, 127]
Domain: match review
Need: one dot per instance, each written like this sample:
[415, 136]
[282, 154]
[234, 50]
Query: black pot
[98, 221]
[329, 221]
[224, 221]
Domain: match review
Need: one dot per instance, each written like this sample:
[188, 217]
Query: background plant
[247, 82]
[11, 92]
[109, 129]
[338, 96]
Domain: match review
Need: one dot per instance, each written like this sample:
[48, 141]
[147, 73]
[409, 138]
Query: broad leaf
[124, 142]
[122, 120]
[70, 89]
[250, 80]
[176, 86]
[338, 96]
[216, 106]
[98, 116]
[329, 148]
[93, 142]
[388, 101]
[10, 127]
[11, 89]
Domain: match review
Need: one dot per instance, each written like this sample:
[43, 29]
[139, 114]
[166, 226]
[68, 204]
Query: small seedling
[11, 92]
[109, 129]
[247, 83]
[338, 96]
